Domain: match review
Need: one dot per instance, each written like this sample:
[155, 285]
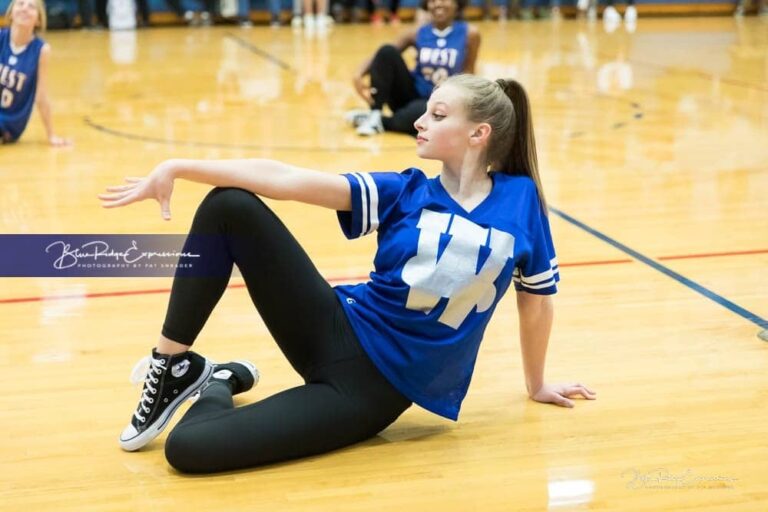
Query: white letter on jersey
[6, 98]
[453, 275]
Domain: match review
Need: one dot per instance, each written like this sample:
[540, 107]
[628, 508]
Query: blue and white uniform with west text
[18, 84]
[439, 54]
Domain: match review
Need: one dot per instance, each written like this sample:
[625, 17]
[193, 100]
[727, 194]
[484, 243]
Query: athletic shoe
[611, 15]
[630, 15]
[372, 124]
[356, 117]
[240, 376]
[169, 382]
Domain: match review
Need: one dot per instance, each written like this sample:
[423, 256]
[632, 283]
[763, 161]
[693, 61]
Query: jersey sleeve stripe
[539, 286]
[364, 203]
[374, 203]
[543, 276]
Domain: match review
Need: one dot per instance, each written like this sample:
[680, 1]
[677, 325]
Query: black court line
[219, 145]
[696, 287]
[258, 51]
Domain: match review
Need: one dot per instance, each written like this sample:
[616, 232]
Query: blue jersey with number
[439, 273]
[440, 54]
[18, 84]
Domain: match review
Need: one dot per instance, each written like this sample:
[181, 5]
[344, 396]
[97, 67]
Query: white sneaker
[372, 124]
[611, 15]
[296, 21]
[309, 22]
[356, 117]
[630, 15]
[322, 23]
[592, 13]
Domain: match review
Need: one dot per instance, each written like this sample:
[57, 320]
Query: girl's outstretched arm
[268, 178]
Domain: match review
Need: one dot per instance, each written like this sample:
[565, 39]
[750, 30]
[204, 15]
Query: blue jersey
[18, 84]
[440, 54]
[439, 273]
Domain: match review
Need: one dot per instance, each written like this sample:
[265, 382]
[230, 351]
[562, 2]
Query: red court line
[713, 254]
[362, 278]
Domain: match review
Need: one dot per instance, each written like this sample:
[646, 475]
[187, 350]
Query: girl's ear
[480, 134]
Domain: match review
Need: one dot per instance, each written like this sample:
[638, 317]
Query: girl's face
[443, 11]
[444, 130]
[25, 13]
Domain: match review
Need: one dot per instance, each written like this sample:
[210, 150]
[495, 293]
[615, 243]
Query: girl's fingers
[580, 390]
[121, 188]
[165, 208]
[114, 196]
[132, 179]
[585, 388]
[586, 394]
[119, 202]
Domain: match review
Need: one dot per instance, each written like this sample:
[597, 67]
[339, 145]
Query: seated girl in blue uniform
[448, 249]
[24, 60]
[444, 47]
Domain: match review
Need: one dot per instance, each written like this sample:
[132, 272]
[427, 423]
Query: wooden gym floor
[654, 154]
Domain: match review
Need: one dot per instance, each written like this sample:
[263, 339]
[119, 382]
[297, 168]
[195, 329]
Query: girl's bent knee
[227, 203]
[387, 53]
[182, 452]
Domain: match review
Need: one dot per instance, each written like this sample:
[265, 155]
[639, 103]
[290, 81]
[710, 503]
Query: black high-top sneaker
[169, 382]
[241, 376]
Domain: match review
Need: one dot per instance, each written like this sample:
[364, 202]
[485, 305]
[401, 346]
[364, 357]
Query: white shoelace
[152, 367]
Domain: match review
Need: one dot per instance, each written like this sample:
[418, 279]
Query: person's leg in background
[86, 13]
[391, 85]
[402, 120]
[142, 6]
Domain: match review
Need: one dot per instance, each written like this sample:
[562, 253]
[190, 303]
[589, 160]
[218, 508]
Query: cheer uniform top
[18, 84]
[439, 272]
[440, 54]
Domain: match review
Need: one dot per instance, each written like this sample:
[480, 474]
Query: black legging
[345, 398]
[395, 88]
